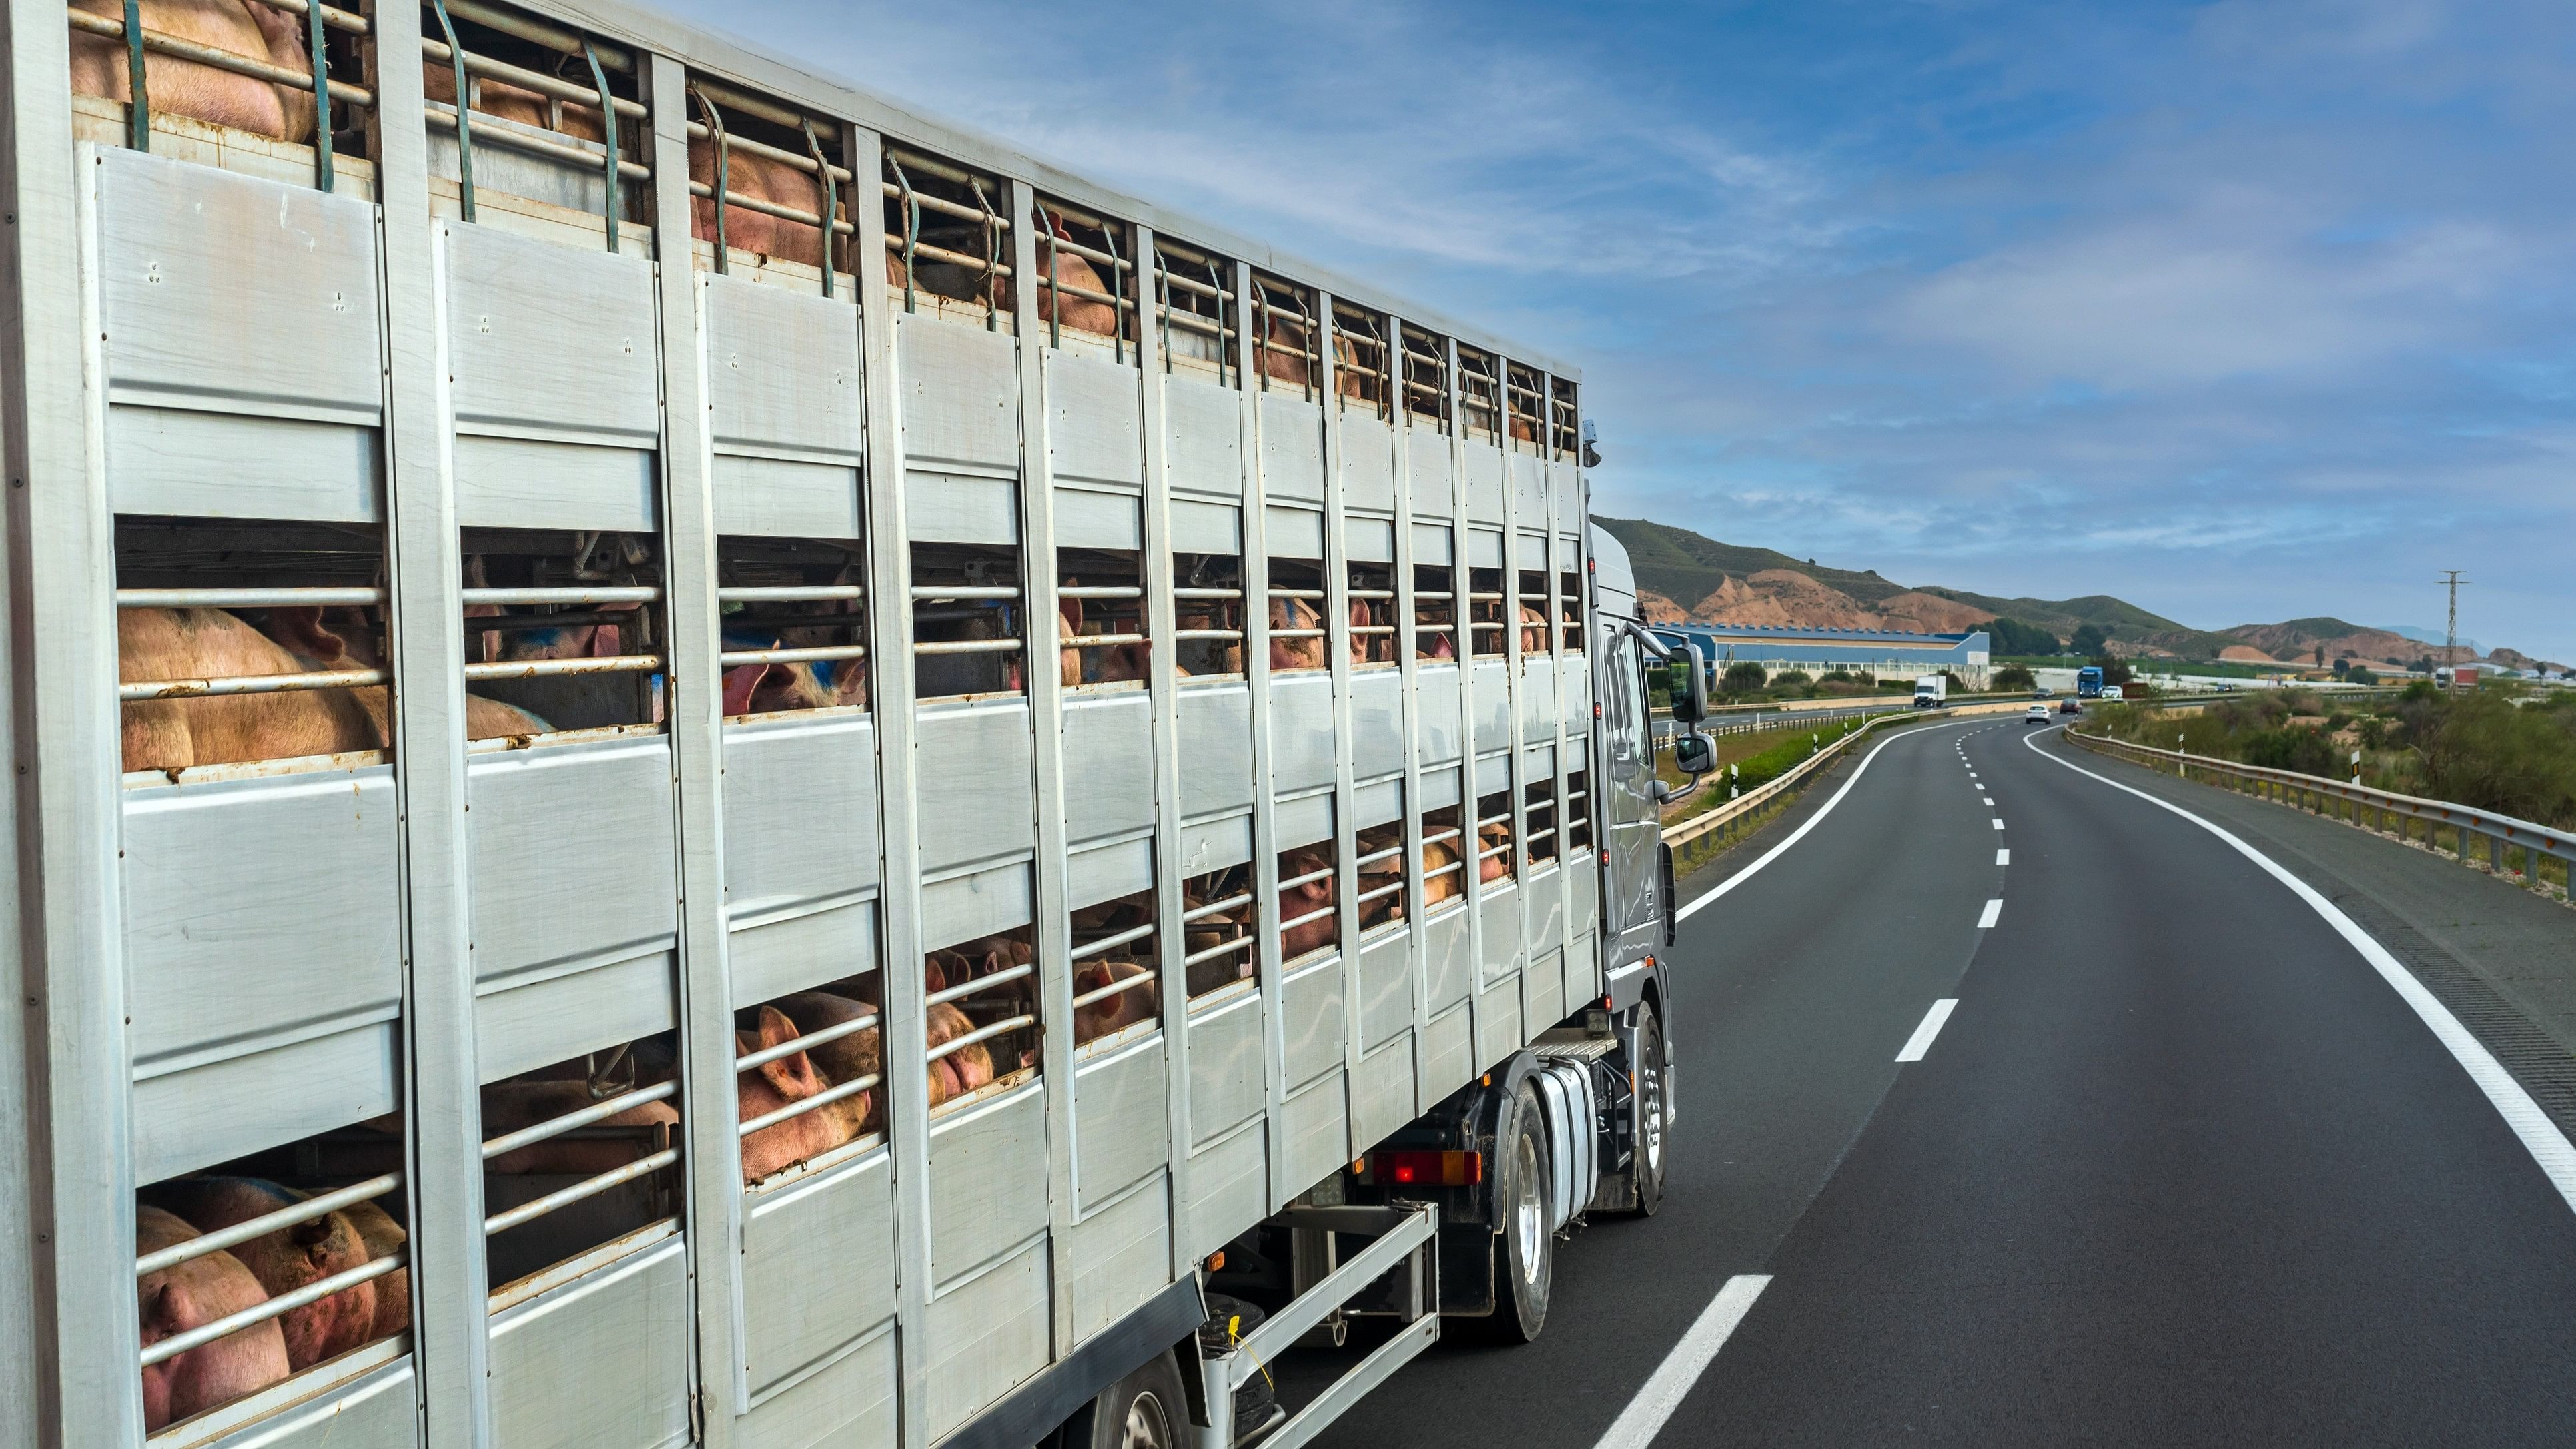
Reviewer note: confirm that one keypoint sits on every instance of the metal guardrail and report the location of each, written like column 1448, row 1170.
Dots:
column 2501, row 832
column 1701, row 825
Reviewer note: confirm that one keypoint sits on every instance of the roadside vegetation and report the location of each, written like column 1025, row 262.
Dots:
column 2493, row 748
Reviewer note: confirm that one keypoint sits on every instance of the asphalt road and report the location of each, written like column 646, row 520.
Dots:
column 2180, row 1167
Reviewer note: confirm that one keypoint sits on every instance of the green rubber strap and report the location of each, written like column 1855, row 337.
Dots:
column 321, row 97
column 464, row 128
column 138, row 114
column 608, row 130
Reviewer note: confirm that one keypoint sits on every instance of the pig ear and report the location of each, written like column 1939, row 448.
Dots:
column 740, row 683
column 793, row 1074
column 301, row 629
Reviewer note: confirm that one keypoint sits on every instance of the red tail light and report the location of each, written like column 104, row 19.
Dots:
column 1425, row 1169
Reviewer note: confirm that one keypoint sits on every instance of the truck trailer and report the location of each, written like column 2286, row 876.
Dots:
column 702, row 761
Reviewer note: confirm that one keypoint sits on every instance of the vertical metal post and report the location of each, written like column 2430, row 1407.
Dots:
column 1043, row 628
column 63, row 729
column 890, row 692
column 1462, row 615
column 712, row 1156
column 443, row 1108
column 614, row 207
column 1337, row 657
column 1256, row 673
column 1162, row 684
column 1417, row 955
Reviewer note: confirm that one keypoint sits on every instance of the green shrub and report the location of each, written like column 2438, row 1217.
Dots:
column 2302, row 748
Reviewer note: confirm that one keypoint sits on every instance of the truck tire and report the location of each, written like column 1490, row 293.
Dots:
column 1525, row 1250
column 1145, row 1410
column 1650, row 1106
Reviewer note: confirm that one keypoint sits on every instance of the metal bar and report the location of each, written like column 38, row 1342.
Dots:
column 1407, row 1343
column 752, row 1061
column 1003, row 1027
column 551, row 87
column 182, row 48
column 229, row 685
column 1309, row 878
column 502, row 1222
column 509, row 1142
column 605, row 594
column 138, row 111
column 819, row 1100
column 1223, row 948
column 816, row 654
column 1101, row 641
column 831, row 201
column 551, row 668
column 511, row 138
column 980, row 984
column 464, row 132
column 1123, row 983
column 1108, row 943
column 277, row 1307
column 1103, row 591
column 1362, row 1268
column 789, row 594
column 942, row 593
column 266, row 1223
column 1200, row 913
column 969, row 646
column 243, row 598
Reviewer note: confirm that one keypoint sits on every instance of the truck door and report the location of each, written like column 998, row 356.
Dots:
column 1635, row 826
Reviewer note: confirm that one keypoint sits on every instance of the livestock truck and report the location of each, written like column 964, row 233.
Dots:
column 700, row 761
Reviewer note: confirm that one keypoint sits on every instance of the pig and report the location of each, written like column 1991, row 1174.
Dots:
column 1114, row 664
column 173, row 734
column 1303, row 653
column 1438, row 856
column 1295, row 901
column 197, row 1292
column 860, row 1054
column 1377, row 875
column 341, row 639
column 1533, row 630
column 961, row 1071
column 813, row 684
column 514, row 103
column 510, row 1106
column 773, row 1086
column 383, row 1236
column 1499, row 865
column 286, row 1259
column 1112, row 1013
column 185, row 87
column 1072, row 270
column 760, row 178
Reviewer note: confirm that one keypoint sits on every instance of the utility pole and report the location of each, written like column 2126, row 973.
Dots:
column 2451, row 623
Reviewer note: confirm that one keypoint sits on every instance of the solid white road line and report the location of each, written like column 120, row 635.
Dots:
column 1921, row 1042
column 1986, row 920
column 1644, row 1417
column 1810, row 823
column 2003, row 857
column 2547, row 1145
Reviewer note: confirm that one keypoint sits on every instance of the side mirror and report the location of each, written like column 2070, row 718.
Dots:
column 1689, row 687
column 1693, row 752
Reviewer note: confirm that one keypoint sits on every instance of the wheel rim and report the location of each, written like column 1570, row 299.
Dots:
column 1650, row 1108
column 1148, row 1427
column 1529, row 1209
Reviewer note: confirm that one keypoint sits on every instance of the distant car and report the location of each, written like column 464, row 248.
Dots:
column 2038, row 715
column 2070, row 706
column 2042, row 692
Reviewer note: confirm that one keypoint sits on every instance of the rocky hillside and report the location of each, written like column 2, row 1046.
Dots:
column 1686, row 576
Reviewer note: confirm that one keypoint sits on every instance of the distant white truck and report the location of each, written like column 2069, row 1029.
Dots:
column 1931, row 691
column 2112, row 691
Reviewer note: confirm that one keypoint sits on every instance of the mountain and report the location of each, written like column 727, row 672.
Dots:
column 1696, row 577
column 2422, row 635
column 1683, row 575
column 2298, row 640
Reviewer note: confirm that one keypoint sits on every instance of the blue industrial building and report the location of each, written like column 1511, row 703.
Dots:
column 1870, row 653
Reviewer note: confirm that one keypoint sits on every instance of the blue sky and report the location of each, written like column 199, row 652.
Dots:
column 2241, row 311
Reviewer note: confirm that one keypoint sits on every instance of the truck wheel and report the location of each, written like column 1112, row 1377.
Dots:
column 1649, row 1104
column 1525, row 1250
column 1145, row 1410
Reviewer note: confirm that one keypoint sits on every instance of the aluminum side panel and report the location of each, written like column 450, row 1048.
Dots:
column 973, row 765
column 1109, row 745
column 960, row 394
column 800, row 813
column 1121, row 1122
column 818, row 1268
column 602, row 1361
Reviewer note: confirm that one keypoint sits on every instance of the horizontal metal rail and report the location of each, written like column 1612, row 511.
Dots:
column 1201, row 913
column 790, row 594
column 1223, row 948
column 527, row 1212
column 572, row 594
column 1111, row 943
column 1101, row 641
column 557, row 668
column 266, row 1223
column 286, row 598
column 815, row 1103
column 813, row 654
column 181, row 48
column 753, row 1061
column 2504, row 830
column 1123, row 983
column 980, row 983
column 277, row 1307
column 1004, row 1027
column 240, row 684
column 509, row 1142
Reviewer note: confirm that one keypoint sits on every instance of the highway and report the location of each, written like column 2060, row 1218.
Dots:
column 2180, row 1166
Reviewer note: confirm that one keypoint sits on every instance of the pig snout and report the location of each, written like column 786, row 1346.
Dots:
column 191, row 1295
